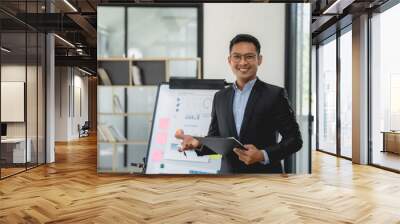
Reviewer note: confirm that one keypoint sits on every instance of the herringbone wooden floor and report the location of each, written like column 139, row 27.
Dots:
column 70, row 191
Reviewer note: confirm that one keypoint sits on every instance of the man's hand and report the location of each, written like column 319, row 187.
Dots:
column 249, row 156
column 188, row 142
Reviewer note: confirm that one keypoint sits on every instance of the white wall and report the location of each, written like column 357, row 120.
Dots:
column 14, row 73
column 68, row 83
column 222, row 21
column 80, row 83
column 61, row 103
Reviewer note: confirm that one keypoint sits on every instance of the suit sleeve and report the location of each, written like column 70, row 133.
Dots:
column 287, row 126
column 212, row 130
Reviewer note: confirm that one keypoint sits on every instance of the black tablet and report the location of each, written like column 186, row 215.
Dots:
column 221, row 145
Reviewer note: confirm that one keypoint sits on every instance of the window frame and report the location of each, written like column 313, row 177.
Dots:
column 334, row 37
column 378, row 10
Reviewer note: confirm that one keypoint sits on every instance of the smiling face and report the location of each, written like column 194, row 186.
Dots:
column 244, row 61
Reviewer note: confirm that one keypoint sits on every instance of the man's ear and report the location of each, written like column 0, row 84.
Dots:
column 229, row 59
column 260, row 59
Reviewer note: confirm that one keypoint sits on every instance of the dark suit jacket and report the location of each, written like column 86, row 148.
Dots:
column 267, row 113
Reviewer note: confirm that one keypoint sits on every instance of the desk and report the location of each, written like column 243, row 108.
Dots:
column 391, row 141
column 15, row 148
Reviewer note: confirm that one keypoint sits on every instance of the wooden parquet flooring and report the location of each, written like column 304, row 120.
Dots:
column 70, row 191
column 10, row 171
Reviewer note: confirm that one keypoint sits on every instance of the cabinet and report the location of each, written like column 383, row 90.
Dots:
column 14, row 153
column 124, row 121
column 391, row 141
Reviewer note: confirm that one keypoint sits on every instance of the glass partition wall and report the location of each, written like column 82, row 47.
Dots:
column 13, row 85
column 22, row 77
column 334, row 94
column 327, row 96
column 345, row 109
column 385, row 89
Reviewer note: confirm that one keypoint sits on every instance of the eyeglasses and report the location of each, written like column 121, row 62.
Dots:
column 247, row 57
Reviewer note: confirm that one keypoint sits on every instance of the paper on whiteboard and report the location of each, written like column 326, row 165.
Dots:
column 189, row 110
column 173, row 154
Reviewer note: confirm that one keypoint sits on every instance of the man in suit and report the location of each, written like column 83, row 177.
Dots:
column 253, row 112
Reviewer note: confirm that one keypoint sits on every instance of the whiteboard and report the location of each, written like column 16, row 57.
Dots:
column 12, row 101
column 187, row 109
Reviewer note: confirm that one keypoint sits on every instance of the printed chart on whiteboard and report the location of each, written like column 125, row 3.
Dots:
column 187, row 109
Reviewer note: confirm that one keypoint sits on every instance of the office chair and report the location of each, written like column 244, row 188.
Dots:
column 84, row 130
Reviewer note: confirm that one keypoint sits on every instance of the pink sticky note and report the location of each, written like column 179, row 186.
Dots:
column 157, row 155
column 163, row 123
column 161, row 138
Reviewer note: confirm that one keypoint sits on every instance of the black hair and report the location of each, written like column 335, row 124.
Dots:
column 245, row 38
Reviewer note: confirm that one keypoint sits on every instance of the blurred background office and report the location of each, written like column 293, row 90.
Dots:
column 143, row 45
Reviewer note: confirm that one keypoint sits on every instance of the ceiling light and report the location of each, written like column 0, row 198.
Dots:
column 86, row 72
column 329, row 9
column 70, row 5
column 5, row 50
column 337, row 7
column 65, row 41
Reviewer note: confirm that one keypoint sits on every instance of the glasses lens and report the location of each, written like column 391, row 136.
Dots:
column 250, row 57
column 246, row 57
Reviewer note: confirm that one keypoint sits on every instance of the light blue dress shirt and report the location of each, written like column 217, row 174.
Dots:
column 239, row 105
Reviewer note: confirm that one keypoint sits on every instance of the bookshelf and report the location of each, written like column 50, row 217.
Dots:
column 127, row 121
column 125, row 106
column 145, row 71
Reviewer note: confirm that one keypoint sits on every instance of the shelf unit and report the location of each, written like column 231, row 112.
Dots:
column 132, row 120
column 129, row 108
column 153, row 70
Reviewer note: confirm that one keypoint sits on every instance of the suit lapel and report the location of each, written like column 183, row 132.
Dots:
column 231, row 119
column 251, row 104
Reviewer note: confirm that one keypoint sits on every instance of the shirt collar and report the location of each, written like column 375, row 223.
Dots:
column 248, row 86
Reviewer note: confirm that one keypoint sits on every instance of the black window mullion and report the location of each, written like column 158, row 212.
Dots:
column 317, row 97
column 37, row 90
column 338, row 95
column 44, row 79
column 26, row 86
column 369, row 79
